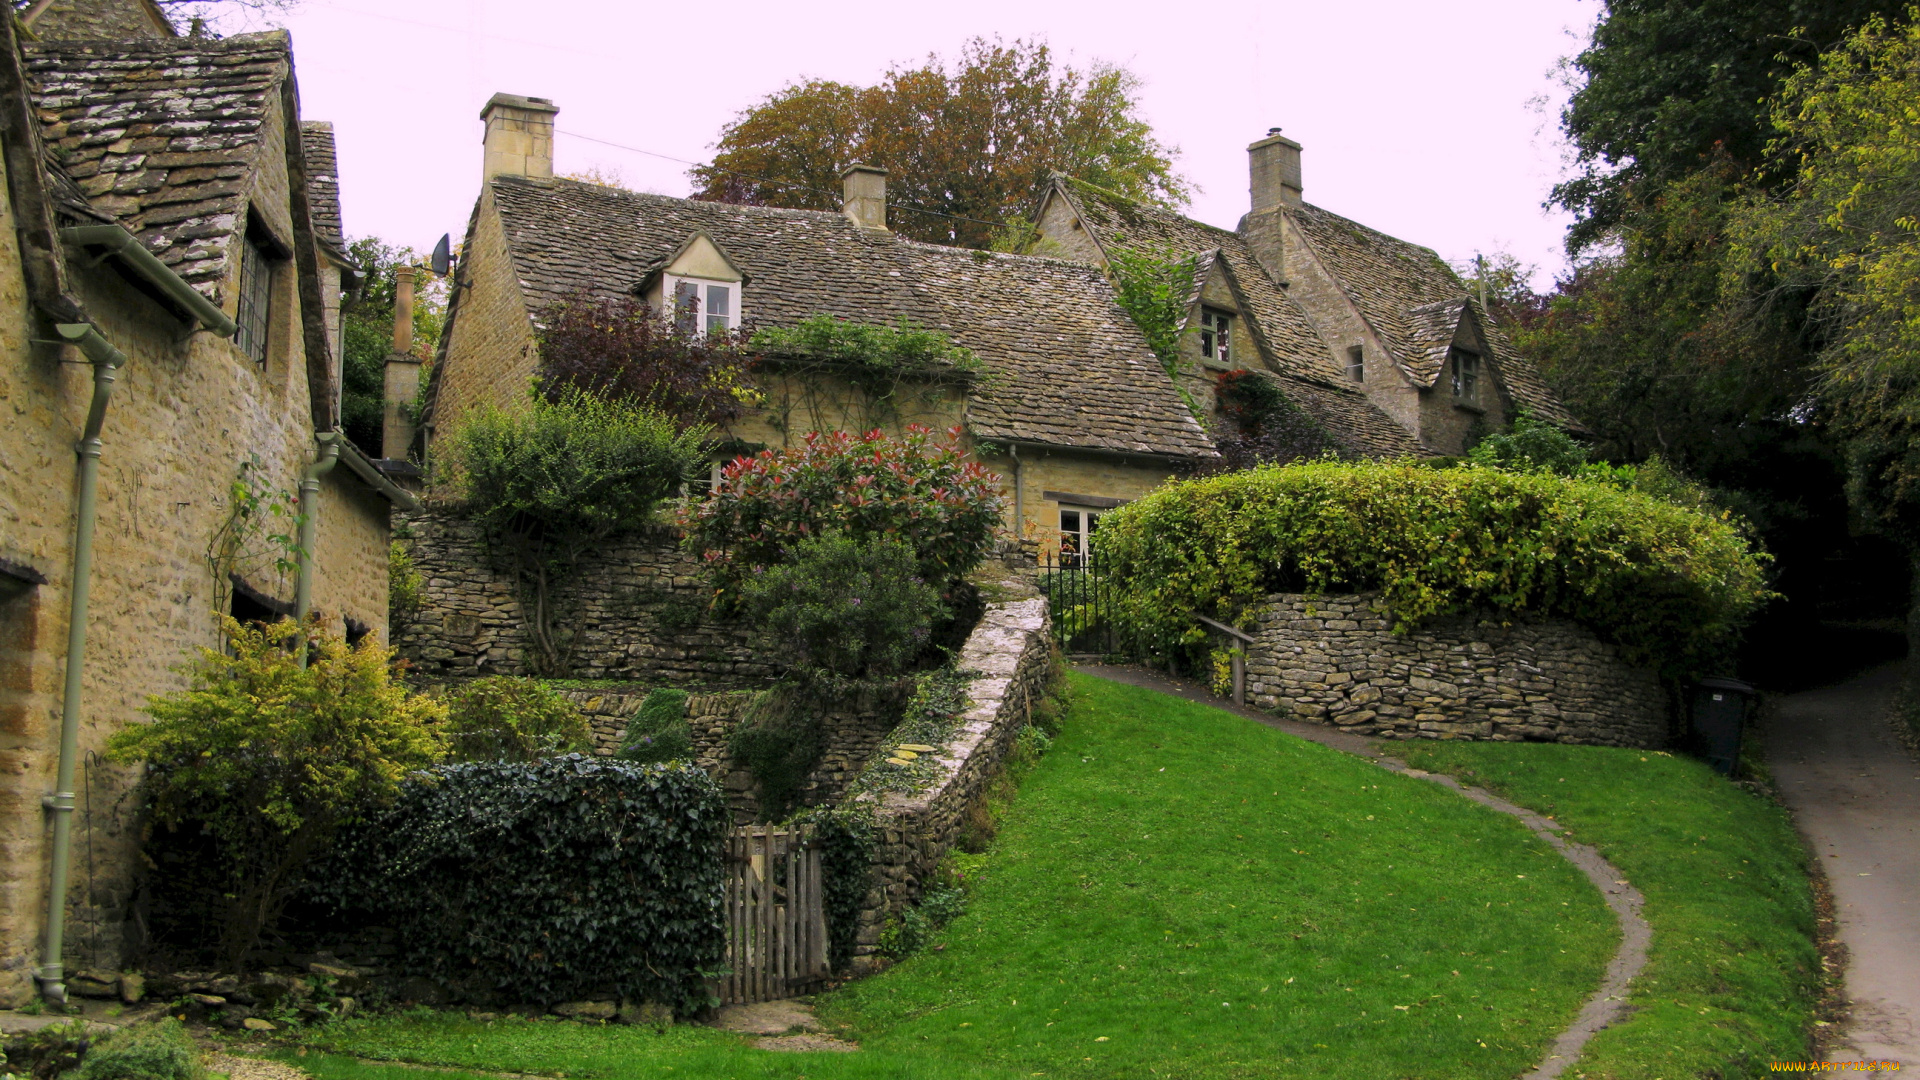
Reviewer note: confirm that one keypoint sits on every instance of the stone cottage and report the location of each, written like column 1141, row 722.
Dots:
column 1075, row 410
column 1374, row 337
column 170, row 277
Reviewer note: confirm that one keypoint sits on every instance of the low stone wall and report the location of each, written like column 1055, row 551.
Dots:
column 852, row 737
column 637, row 607
column 1010, row 651
column 1336, row 660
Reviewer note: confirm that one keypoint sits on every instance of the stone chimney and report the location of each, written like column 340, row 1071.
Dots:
column 403, row 372
column 1273, row 165
column 519, row 139
column 864, row 196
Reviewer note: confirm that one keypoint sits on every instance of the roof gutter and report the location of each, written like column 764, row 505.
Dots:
column 124, row 246
column 361, row 466
column 1137, row 455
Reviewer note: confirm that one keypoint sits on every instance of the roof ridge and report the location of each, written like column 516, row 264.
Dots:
column 1370, row 230
column 629, row 193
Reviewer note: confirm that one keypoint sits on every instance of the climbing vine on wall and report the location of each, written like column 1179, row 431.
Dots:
column 1154, row 285
column 259, row 539
column 886, row 366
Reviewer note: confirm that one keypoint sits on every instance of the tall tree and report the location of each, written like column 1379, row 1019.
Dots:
column 1845, row 233
column 1667, row 87
column 966, row 144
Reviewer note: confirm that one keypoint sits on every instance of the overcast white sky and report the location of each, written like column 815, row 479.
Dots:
column 1421, row 119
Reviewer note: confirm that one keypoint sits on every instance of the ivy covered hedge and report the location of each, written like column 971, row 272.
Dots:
column 1670, row 585
column 547, row 881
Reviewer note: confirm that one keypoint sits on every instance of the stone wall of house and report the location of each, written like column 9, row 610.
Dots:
column 852, row 736
column 1012, row 654
column 185, row 415
column 636, row 606
column 488, row 355
column 1336, row 660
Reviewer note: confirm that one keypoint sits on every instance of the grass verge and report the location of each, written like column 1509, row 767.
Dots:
column 1733, row 976
column 1175, row 891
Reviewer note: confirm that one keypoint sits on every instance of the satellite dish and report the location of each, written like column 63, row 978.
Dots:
column 442, row 260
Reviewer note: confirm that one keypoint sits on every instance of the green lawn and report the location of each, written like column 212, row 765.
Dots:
column 1175, row 892
column 1733, row 972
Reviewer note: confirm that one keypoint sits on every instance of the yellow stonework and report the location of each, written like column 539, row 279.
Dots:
column 186, row 414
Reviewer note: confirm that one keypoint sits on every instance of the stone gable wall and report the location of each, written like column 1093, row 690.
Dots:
column 1335, row 660
column 637, row 604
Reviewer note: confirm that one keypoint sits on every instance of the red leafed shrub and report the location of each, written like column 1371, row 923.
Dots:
column 914, row 488
column 621, row 349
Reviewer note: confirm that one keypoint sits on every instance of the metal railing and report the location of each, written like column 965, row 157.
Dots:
column 1080, row 600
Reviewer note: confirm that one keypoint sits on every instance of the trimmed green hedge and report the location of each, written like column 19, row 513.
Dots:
column 1670, row 585
column 545, row 881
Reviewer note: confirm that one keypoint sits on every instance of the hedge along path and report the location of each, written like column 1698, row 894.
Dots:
column 1608, row 1004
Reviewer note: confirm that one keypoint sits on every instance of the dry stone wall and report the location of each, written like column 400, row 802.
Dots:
column 852, row 737
column 636, row 605
column 1336, row 660
column 1012, row 656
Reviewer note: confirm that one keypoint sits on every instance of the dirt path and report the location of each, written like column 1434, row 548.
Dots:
column 1855, row 793
column 1608, row 1003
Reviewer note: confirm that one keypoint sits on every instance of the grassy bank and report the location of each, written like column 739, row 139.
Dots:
column 1733, row 974
column 1174, row 892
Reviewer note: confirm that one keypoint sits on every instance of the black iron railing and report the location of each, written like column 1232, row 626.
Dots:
column 1080, row 600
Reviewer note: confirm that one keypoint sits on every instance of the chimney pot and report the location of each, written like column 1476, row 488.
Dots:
column 864, row 196
column 1274, row 166
column 519, row 138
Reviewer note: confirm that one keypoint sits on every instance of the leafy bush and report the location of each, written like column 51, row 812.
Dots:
column 1670, row 585
column 914, row 489
column 1531, row 446
column 847, row 613
column 46, row 1054
column 619, row 349
column 269, row 759
column 910, row 931
column 405, row 585
column 659, row 730
column 550, row 880
column 559, row 476
column 500, row 718
column 162, row 1051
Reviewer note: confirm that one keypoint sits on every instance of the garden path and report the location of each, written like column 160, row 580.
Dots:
column 1608, row 1003
column 1855, row 793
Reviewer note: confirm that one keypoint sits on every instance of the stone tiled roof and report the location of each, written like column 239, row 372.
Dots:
column 160, row 135
column 1414, row 301
column 1069, row 367
column 323, row 182
column 1286, row 335
column 1353, row 421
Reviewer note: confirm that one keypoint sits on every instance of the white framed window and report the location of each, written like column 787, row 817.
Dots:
column 1357, row 363
column 1466, row 374
column 704, row 307
column 1077, row 524
column 1216, row 336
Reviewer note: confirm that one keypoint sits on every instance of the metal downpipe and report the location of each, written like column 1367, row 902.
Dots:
column 325, row 458
column 107, row 362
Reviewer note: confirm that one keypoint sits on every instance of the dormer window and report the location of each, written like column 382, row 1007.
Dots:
column 1357, row 363
column 1216, row 336
column 705, row 307
column 1466, row 374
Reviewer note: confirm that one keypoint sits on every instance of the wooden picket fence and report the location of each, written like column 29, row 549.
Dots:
column 776, row 914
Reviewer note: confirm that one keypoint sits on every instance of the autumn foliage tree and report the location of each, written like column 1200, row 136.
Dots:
column 973, row 139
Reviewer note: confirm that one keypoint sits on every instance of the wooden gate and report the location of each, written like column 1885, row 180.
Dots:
column 776, row 914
